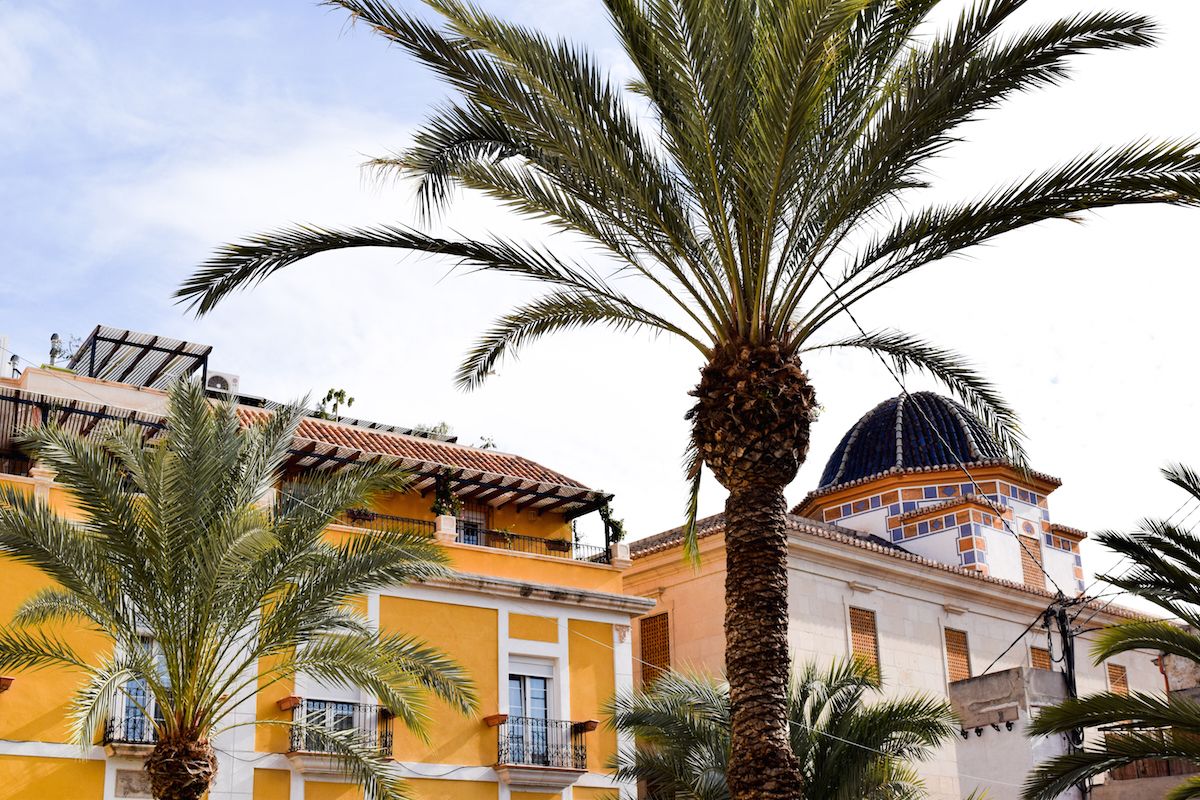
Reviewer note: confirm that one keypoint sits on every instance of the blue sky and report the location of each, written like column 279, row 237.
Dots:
column 134, row 136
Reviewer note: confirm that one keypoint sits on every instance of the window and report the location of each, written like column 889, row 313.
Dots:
column 330, row 715
column 958, row 656
column 528, row 718
column 139, row 711
column 864, row 642
column 1039, row 658
column 1118, row 680
column 1031, row 562
column 655, row 633
column 473, row 520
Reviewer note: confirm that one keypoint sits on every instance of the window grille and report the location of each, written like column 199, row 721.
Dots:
column 655, row 633
column 1031, row 563
column 864, row 639
column 958, row 655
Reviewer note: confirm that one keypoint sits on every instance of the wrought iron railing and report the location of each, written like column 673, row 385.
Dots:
column 130, row 724
column 529, row 741
column 311, row 718
column 471, row 533
column 374, row 521
column 503, row 540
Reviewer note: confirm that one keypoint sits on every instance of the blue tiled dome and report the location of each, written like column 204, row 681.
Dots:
column 903, row 432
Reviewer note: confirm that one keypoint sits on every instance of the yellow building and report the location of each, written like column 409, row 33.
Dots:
column 540, row 620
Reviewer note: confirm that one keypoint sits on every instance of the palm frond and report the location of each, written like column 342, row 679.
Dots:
column 909, row 352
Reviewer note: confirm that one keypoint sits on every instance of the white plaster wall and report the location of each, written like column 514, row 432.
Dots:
column 941, row 546
column 1004, row 555
column 1061, row 567
column 995, row 760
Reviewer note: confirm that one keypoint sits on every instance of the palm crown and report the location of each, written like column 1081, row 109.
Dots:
column 174, row 547
column 848, row 747
column 1165, row 570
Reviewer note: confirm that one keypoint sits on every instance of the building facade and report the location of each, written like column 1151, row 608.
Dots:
column 899, row 558
column 540, row 620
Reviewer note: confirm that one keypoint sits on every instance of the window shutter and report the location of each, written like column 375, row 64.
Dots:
column 1039, row 658
column 864, row 639
column 1118, row 680
column 655, row 633
column 958, row 655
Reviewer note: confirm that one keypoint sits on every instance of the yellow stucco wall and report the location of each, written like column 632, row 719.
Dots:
column 322, row 790
column 424, row 789
column 586, row 793
column 34, row 708
column 535, row 796
column 271, row 738
column 538, row 629
column 470, row 636
column 535, row 569
column 26, row 777
column 272, row 784
column 593, row 682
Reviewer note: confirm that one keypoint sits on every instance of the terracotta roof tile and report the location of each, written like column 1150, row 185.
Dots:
column 710, row 526
column 421, row 449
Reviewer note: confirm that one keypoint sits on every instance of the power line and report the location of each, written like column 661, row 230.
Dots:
column 1041, row 616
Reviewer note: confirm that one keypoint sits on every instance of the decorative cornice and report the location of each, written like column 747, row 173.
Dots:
column 954, row 502
column 825, row 491
column 506, row 587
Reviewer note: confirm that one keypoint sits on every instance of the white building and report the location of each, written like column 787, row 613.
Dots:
column 899, row 557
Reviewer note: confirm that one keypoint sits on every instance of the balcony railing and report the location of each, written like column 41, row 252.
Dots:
column 374, row 521
column 129, row 724
column 311, row 717
column 503, row 540
column 470, row 533
column 529, row 741
column 1155, row 767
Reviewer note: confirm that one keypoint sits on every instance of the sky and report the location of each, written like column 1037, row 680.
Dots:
column 137, row 136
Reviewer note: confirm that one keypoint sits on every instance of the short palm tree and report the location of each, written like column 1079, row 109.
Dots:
column 847, row 747
column 749, row 185
column 208, row 594
column 1165, row 570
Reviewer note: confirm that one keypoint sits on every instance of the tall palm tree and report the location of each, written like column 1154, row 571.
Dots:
column 745, row 188
column 207, row 594
column 847, row 748
column 1165, row 570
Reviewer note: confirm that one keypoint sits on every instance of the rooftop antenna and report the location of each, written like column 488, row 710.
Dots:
column 56, row 348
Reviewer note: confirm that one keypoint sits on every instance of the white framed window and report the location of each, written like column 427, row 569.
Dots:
column 530, row 709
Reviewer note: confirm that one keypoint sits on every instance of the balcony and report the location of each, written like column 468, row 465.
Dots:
column 547, row 754
column 372, row 521
column 472, row 534
column 1148, row 778
column 129, row 733
column 310, row 752
column 505, row 540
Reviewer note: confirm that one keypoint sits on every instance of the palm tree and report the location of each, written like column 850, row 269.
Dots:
column 208, row 594
column 1165, row 570
column 745, row 188
column 846, row 748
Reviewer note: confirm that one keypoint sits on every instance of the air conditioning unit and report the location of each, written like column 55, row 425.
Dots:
column 222, row 382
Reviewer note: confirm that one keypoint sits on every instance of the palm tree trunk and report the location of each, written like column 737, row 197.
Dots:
column 181, row 769
column 762, row 766
column 751, row 424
